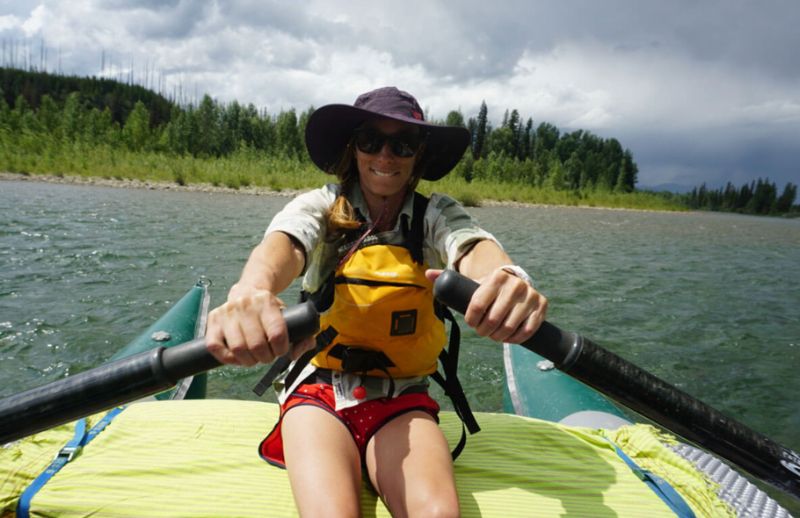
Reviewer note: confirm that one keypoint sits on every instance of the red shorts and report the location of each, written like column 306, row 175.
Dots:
column 363, row 420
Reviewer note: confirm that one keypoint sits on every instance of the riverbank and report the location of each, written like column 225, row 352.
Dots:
column 127, row 183
column 253, row 190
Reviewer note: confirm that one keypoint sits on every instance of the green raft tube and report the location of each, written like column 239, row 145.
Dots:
column 560, row 449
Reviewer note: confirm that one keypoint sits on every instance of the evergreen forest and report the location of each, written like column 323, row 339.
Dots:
column 56, row 124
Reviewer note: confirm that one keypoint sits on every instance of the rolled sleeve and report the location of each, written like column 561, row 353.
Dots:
column 303, row 218
column 451, row 231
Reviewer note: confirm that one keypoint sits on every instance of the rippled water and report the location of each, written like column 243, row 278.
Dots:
column 709, row 302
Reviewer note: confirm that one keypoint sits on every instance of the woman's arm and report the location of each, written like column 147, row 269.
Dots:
column 504, row 307
column 249, row 328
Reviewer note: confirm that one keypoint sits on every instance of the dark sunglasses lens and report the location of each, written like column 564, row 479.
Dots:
column 402, row 148
column 371, row 142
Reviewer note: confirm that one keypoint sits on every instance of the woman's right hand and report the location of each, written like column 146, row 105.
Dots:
column 249, row 328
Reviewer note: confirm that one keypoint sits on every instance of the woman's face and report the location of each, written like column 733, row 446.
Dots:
column 382, row 173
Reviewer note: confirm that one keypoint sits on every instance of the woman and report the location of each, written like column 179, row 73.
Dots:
column 379, row 149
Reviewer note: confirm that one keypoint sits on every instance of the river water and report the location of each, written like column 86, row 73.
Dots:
column 708, row 302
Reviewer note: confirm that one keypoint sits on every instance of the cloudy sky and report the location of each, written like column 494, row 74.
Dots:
column 698, row 90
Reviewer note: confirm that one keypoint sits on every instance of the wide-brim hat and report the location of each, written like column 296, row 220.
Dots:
column 330, row 128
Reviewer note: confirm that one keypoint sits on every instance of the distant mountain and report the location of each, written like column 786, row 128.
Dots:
column 669, row 187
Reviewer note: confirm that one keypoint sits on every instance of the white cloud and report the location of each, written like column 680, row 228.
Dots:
column 38, row 19
column 8, row 22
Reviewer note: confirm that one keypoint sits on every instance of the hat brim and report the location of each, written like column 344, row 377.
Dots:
column 330, row 127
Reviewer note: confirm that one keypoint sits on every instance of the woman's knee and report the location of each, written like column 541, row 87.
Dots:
column 433, row 505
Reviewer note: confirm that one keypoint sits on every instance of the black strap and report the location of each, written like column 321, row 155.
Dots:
column 357, row 360
column 452, row 386
column 416, row 233
column 281, row 364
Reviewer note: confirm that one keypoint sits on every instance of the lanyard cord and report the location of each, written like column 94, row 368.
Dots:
column 372, row 227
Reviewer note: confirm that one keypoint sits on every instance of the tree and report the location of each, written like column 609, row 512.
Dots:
column 5, row 114
column 301, row 130
column 49, row 115
column 72, row 120
column 100, row 126
column 555, row 177
column 546, row 137
column 455, row 118
column 288, row 137
column 763, row 198
column 480, row 133
column 136, row 132
column 180, row 131
column 729, row 197
column 785, row 201
column 527, row 144
column 626, row 180
column 573, row 171
column 207, row 128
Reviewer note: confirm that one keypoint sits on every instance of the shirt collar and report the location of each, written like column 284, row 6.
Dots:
column 358, row 202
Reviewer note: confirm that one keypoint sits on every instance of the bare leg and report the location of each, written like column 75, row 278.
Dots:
column 410, row 465
column 323, row 463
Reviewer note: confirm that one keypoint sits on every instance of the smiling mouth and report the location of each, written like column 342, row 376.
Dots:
column 383, row 174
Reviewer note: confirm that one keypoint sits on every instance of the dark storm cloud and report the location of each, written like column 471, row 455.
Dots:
column 172, row 19
column 689, row 159
column 752, row 35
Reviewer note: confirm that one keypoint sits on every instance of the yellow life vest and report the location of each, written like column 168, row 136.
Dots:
column 384, row 315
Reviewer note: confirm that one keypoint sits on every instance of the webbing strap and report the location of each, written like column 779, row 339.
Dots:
column 660, row 487
column 280, row 365
column 65, row 455
column 451, row 385
column 416, row 233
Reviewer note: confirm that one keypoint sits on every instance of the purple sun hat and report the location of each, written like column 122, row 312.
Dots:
column 330, row 128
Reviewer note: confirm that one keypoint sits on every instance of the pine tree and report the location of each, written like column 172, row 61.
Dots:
column 480, row 132
column 785, row 201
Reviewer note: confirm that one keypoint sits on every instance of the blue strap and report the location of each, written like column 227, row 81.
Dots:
column 660, row 487
column 66, row 454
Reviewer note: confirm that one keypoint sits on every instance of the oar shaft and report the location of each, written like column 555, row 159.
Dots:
column 648, row 395
column 122, row 381
column 83, row 394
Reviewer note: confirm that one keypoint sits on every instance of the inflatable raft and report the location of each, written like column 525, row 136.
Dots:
column 560, row 449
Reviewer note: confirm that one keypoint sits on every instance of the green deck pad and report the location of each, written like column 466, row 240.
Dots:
column 199, row 458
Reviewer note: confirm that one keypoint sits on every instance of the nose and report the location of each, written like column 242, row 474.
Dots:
column 385, row 151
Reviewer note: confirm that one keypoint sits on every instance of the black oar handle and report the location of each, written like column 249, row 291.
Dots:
column 122, row 381
column 648, row 395
column 193, row 358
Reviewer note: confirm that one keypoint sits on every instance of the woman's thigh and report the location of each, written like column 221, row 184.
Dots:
column 410, row 465
column 323, row 462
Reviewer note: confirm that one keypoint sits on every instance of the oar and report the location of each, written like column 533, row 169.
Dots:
column 122, row 381
column 648, row 395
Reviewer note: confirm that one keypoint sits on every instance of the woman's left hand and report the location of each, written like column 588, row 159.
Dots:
column 504, row 308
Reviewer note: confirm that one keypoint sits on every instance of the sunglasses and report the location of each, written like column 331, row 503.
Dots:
column 403, row 145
